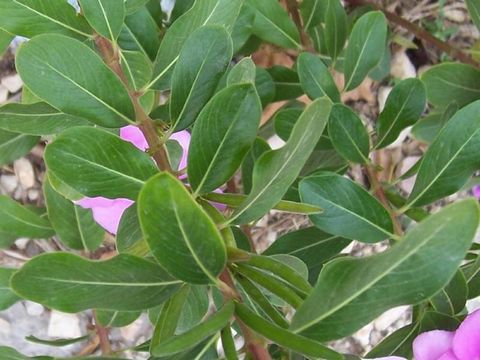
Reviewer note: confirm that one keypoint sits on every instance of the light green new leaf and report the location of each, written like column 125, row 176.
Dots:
column 203, row 12
column 223, row 133
column 88, row 160
column 349, row 210
column 20, row 221
column 194, row 336
column 283, row 337
column 351, row 292
column 7, row 296
column 201, row 63
column 182, row 237
column 74, row 80
column 69, row 283
column 336, row 28
column 313, row 12
column 474, row 10
column 14, row 145
column 276, row 170
column 243, row 72
column 348, row 134
column 315, row 78
column 73, row 224
column 365, row 47
column 36, row 119
column 403, row 108
column 105, row 16
column 450, row 82
column 48, row 16
column 272, row 24
column 451, row 158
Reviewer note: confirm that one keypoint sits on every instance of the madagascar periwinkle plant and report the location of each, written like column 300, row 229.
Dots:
column 155, row 135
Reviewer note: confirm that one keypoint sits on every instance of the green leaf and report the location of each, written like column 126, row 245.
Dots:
column 287, row 83
column 212, row 12
column 474, row 10
column 315, row 78
column 137, row 68
column 49, row 16
column 313, row 246
column 276, row 170
column 449, row 82
column 179, row 231
column 349, row 210
column 73, row 224
column 272, row 24
column 89, row 89
column 223, row 134
column 129, row 235
column 410, row 272
column 36, row 119
column 265, row 86
column 451, row 159
column 282, row 337
column 109, row 318
column 56, row 342
column 201, row 63
column 21, row 221
column 365, row 47
column 5, row 40
column 192, row 337
column 133, row 5
column 336, row 29
column 105, row 16
column 14, row 146
column 7, row 296
column 452, row 298
column 427, row 128
column 403, row 108
column 284, row 121
column 243, row 28
column 313, row 12
column 348, row 134
column 243, row 72
column 86, row 159
column 69, row 283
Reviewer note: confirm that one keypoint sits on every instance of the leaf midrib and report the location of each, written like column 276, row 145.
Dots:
column 98, row 283
column 297, row 45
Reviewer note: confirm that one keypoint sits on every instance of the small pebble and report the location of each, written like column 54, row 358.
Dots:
column 456, row 15
column 34, row 309
column 33, row 194
column 13, row 83
column 402, row 67
column 407, row 163
column 24, row 171
column 9, row 182
column 22, row 243
column 64, row 326
column 383, row 93
column 3, row 94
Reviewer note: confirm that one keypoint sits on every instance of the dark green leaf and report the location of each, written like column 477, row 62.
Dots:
column 110, row 318
column 137, row 68
column 265, row 86
column 180, row 8
column 89, row 89
column 474, row 10
column 179, row 231
column 129, row 234
column 452, row 299
column 87, row 160
column 223, row 134
column 105, row 16
column 403, row 108
column 336, row 29
column 133, row 5
column 69, row 283
column 410, row 272
column 243, row 28
column 287, row 83
column 259, row 147
column 285, row 120
column 14, row 145
column 56, row 342
column 348, row 134
column 313, row 12
column 5, row 40
column 7, row 296
column 243, row 72
column 365, row 47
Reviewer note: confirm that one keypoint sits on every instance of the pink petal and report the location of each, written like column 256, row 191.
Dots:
column 432, row 345
column 389, row 358
column 221, row 207
column 476, row 191
column 466, row 343
column 107, row 213
column 449, row 355
column 183, row 138
column 134, row 135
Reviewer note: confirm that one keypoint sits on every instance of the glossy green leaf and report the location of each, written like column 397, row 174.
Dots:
column 410, row 272
column 86, row 159
column 313, row 12
column 233, row 117
column 265, row 86
column 56, row 342
column 7, row 296
column 243, row 29
column 212, row 12
column 474, row 10
column 403, row 108
column 284, row 337
column 315, row 78
column 202, row 61
column 129, row 238
column 133, row 5
column 21, row 221
column 285, row 120
column 427, row 128
column 449, row 82
column 276, row 170
column 5, row 40
column 36, row 119
column 73, row 224
column 89, row 89
column 272, row 24
column 451, row 159
column 258, row 148
column 180, row 8
column 49, row 16
column 179, row 231
column 452, row 298
column 69, row 283
column 14, row 145
column 365, row 47
column 137, row 68
column 105, row 16
column 287, row 83
column 349, row 210
column 336, row 28
column 192, row 337
column 110, row 318
column 313, row 246
column 348, row 134
column 243, row 72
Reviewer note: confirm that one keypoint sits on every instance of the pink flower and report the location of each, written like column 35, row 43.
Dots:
column 108, row 212
column 476, row 191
